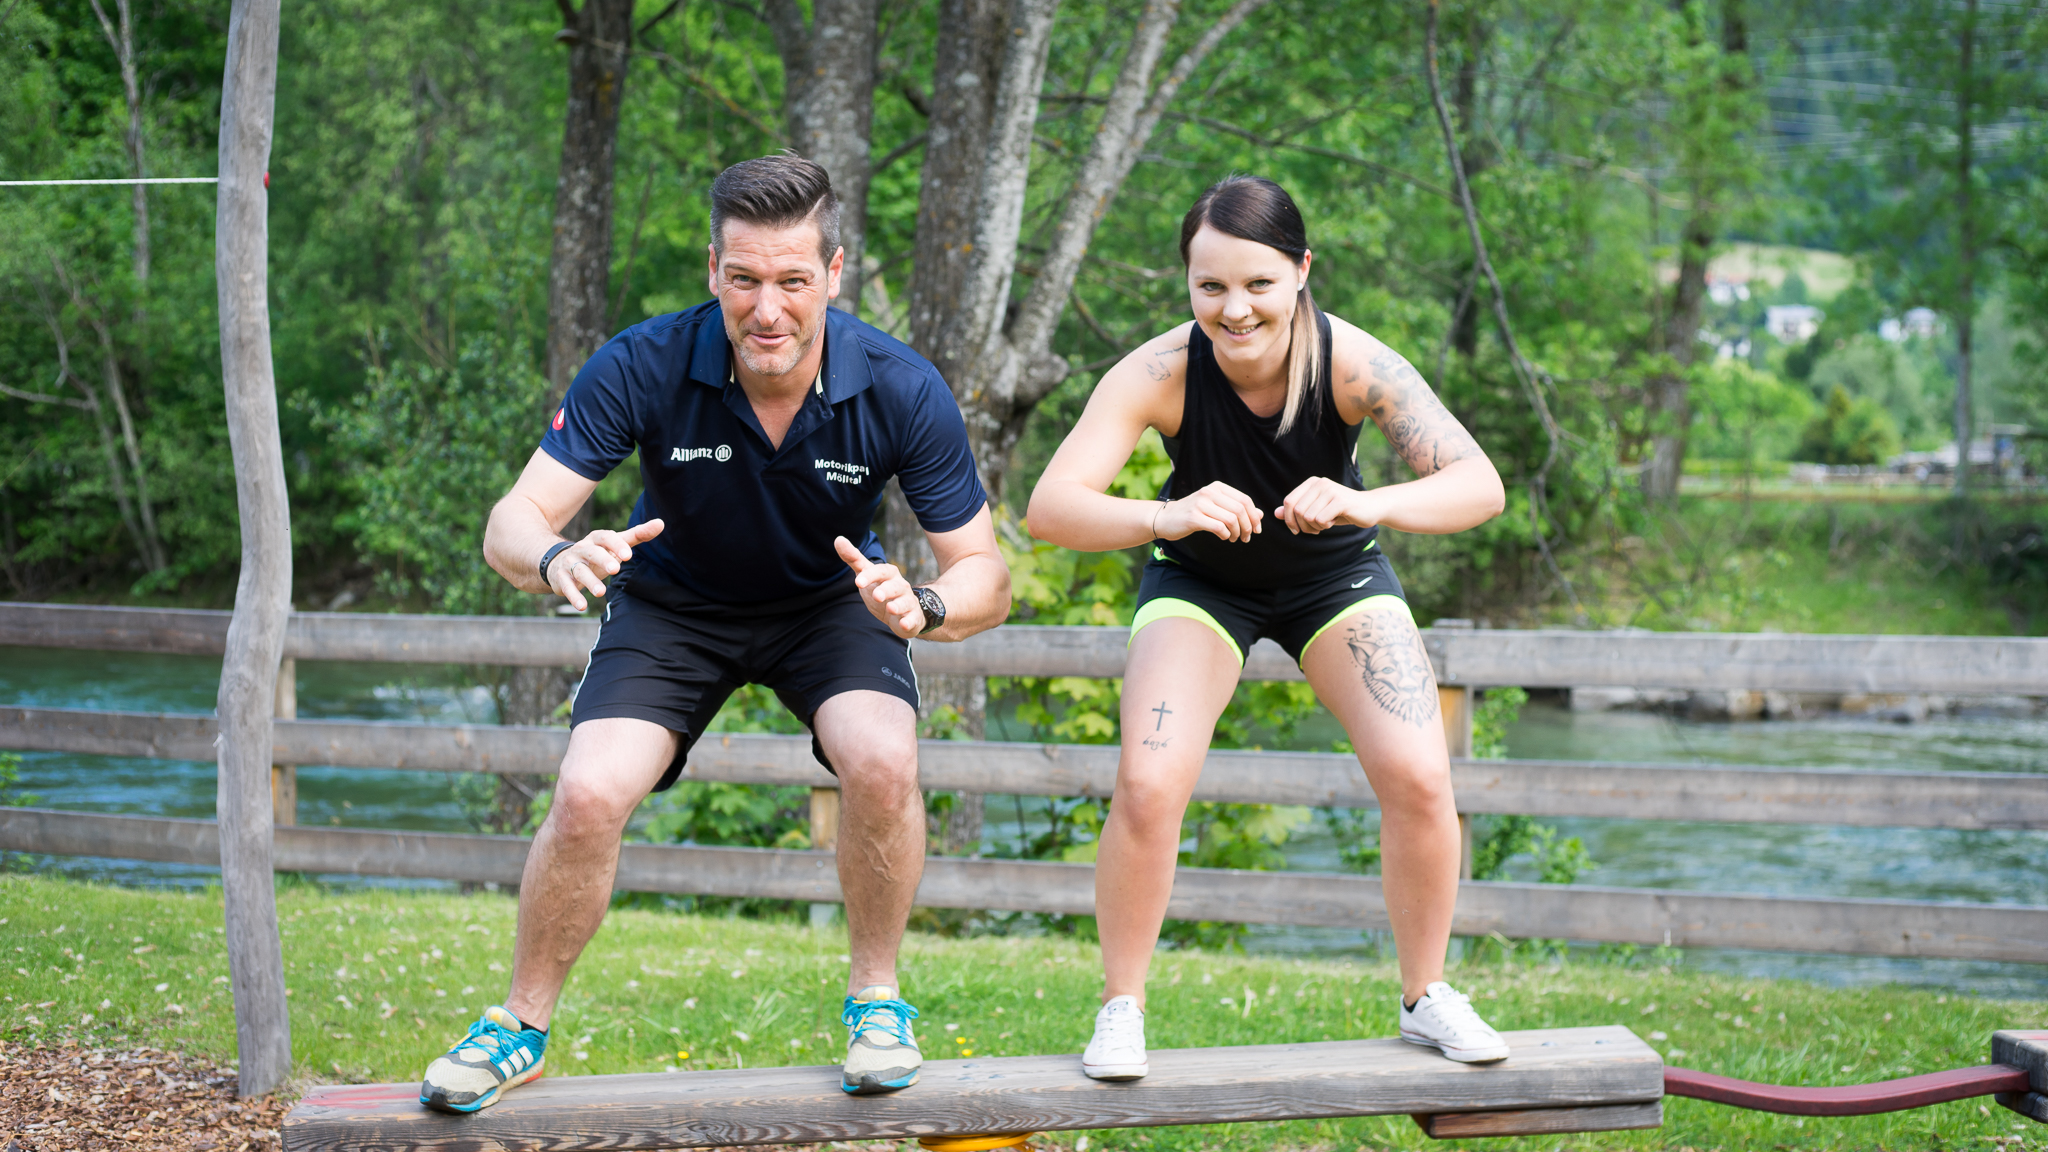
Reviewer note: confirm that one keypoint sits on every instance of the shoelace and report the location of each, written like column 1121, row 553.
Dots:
column 1121, row 1029
column 492, row 1037
column 1455, row 1011
column 897, row 1020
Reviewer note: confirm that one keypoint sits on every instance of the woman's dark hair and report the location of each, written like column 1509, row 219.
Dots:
column 778, row 191
column 1256, row 209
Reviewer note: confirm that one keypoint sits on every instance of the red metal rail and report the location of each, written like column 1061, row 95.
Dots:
column 1849, row 1099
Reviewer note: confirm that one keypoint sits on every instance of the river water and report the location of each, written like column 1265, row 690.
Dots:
column 1778, row 859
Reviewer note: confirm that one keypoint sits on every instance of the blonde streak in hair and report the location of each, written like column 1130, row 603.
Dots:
column 1304, row 358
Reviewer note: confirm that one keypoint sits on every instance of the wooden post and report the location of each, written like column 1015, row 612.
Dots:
column 825, row 819
column 255, row 640
column 284, row 778
column 825, row 838
column 1455, row 702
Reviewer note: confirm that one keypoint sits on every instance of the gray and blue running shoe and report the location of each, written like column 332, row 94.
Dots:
column 881, row 1054
column 498, row 1055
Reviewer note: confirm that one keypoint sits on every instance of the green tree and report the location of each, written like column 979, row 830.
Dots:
column 1848, row 431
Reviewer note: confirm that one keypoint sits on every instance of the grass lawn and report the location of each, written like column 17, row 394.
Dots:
column 381, row 981
column 1828, row 566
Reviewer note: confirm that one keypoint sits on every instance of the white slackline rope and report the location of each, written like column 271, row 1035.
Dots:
column 150, row 180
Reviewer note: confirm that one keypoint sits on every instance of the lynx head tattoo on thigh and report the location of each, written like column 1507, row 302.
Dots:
column 1397, row 672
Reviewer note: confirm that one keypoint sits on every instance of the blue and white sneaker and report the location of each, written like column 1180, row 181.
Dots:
column 498, row 1055
column 881, row 1054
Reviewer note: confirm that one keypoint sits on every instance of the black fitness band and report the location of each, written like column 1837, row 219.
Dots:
column 548, row 557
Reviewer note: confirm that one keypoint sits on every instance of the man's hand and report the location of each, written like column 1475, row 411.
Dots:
column 1217, row 508
column 884, row 590
column 588, row 563
column 1321, row 503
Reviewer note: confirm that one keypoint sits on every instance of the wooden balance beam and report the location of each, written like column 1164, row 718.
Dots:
column 1557, row 1080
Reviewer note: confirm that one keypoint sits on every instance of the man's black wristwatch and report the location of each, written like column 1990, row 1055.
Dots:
column 934, row 609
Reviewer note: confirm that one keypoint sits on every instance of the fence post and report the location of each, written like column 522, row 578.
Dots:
column 284, row 778
column 1455, row 702
column 825, row 819
column 263, row 590
column 824, row 838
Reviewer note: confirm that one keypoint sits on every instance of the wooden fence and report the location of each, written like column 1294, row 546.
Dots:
column 1464, row 658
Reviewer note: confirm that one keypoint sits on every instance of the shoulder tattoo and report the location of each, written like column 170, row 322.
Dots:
column 1159, row 364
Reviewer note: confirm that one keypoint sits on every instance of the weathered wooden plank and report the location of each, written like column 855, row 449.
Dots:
column 1559, row 1068
column 1524, row 787
column 1543, row 1121
column 515, row 640
column 1556, row 658
column 2017, row 933
column 1553, row 658
column 2027, row 1050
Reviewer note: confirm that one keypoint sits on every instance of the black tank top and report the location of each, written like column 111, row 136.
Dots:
column 1221, row 439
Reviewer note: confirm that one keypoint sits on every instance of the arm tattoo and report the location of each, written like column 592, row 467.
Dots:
column 1157, row 368
column 1396, row 670
column 1422, row 431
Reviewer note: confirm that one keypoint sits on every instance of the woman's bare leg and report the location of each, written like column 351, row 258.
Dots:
column 1371, row 671
column 1177, row 681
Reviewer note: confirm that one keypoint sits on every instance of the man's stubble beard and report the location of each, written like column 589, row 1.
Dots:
column 778, row 366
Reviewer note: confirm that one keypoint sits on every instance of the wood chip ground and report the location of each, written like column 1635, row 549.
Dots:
column 64, row 1099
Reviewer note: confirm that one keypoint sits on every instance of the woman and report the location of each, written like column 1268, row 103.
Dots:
column 1260, row 400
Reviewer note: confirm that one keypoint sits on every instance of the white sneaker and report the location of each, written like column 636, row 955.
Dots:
column 1444, row 1019
column 1118, row 1050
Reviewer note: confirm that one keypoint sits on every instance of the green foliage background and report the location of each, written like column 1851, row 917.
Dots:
column 412, row 186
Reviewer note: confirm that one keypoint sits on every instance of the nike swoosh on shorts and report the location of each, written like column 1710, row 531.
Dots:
column 1363, row 583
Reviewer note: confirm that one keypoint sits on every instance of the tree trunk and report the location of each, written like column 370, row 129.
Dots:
column 972, row 38
column 998, row 359
column 600, row 37
column 1966, row 251
column 1668, row 403
column 1670, row 412
column 255, row 640
column 828, row 70
column 153, row 546
column 1479, row 156
column 123, row 41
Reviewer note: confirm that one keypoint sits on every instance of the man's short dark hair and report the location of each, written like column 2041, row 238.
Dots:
column 779, row 191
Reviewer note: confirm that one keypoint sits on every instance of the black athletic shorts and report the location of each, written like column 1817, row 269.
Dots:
column 676, row 666
column 1292, row 616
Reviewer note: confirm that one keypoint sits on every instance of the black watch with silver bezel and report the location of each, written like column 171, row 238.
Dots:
column 934, row 609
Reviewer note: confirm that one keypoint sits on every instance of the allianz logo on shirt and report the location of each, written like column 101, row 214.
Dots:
column 722, row 453
column 839, row 473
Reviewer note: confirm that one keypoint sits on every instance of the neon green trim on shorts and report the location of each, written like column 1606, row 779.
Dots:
column 1383, row 600
column 1165, row 607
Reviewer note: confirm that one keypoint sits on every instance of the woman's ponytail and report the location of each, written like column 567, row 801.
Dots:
column 1304, row 360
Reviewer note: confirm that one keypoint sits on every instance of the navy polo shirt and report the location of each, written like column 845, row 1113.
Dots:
column 748, row 523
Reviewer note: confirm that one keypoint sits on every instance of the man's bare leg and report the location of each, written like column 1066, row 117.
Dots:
column 871, row 739
column 611, row 766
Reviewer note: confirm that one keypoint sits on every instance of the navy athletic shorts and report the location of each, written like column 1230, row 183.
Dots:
column 676, row 666
column 1293, row 616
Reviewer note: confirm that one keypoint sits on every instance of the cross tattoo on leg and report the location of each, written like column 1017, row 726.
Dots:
column 1164, row 712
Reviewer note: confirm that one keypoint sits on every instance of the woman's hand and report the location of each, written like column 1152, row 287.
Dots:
column 1321, row 503
column 1217, row 508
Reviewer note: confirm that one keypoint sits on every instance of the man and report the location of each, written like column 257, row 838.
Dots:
column 767, row 425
